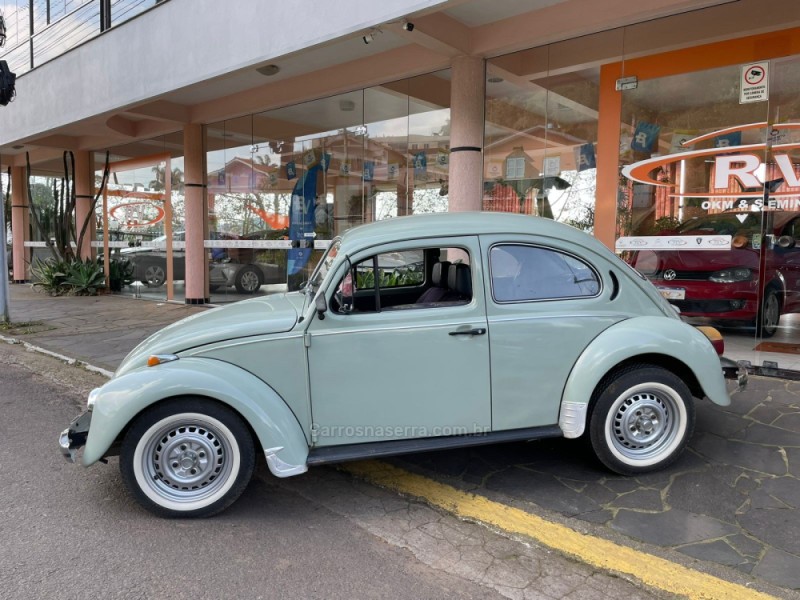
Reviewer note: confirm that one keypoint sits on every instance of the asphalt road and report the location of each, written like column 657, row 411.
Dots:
column 68, row 532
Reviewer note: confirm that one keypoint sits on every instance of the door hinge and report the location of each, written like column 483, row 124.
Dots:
column 307, row 339
column 314, row 433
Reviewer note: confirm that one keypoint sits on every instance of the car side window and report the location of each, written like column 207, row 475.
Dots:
column 523, row 273
column 426, row 277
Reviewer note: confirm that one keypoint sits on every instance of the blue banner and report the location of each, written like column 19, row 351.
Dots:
column 728, row 140
column 301, row 219
column 369, row 170
column 291, row 170
column 420, row 165
column 585, row 157
column 645, row 136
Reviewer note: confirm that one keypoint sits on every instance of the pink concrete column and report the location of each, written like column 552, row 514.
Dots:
column 20, row 224
column 467, row 93
column 194, row 174
column 84, row 168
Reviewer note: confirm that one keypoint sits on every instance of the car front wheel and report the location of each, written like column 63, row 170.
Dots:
column 187, row 458
column 641, row 419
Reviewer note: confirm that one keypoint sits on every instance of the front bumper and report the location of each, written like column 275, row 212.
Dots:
column 74, row 436
column 734, row 370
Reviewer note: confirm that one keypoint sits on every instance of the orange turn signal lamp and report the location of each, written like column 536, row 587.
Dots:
column 715, row 337
column 160, row 359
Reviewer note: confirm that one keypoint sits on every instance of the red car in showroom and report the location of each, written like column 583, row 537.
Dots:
column 728, row 286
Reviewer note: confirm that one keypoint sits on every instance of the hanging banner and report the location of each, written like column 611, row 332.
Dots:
column 326, row 161
column 420, row 166
column 645, row 136
column 392, row 170
column 679, row 139
column 551, row 166
column 344, row 168
column 585, row 157
column 369, row 170
column 291, row 170
column 301, row 219
column 442, row 158
column 309, row 158
column 728, row 140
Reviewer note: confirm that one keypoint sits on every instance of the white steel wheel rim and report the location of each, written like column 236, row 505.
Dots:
column 645, row 424
column 186, row 462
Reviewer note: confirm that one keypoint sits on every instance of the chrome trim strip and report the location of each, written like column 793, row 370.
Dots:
column 572, row 419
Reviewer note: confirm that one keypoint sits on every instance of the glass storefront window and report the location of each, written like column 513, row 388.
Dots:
column 285, row 182
column 709, row 201
column 540, row 139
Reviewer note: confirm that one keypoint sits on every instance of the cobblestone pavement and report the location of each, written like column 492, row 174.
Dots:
column 732, row 500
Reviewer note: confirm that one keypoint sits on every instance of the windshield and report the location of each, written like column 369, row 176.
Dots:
column 324, row 265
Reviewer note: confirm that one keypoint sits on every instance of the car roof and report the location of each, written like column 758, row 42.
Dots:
column 465, row 224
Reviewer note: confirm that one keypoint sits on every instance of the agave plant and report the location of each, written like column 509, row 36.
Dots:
column 84, row 278
column 50, row 275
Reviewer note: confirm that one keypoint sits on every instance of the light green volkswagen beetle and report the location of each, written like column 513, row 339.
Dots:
column 413, row 334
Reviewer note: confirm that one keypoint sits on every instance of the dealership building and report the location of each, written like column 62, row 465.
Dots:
column 239, row 138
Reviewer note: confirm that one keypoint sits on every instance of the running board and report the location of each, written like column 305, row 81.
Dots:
column 345, row 453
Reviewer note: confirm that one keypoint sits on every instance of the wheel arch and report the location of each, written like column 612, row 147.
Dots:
column 274, row 426
column 666, row 343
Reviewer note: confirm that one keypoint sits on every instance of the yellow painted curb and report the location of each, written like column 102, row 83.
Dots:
column 598, row 552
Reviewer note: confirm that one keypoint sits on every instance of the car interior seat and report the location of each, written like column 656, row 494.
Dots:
column 459, row 280
column 439, row 288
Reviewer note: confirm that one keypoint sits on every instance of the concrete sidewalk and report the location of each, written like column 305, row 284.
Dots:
column 99, row 330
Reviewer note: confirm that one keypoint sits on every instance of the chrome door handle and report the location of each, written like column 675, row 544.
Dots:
column 476, row 331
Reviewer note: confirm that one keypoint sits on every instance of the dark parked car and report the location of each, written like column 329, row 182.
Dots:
column 245, row 268
column 727, row 285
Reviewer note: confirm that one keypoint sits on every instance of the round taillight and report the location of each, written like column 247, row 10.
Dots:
column 739, row 241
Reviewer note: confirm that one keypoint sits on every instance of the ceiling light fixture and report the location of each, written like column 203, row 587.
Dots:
column 269, row 70
column 407, row 26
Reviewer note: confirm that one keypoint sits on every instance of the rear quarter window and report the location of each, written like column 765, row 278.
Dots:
column 522, row 273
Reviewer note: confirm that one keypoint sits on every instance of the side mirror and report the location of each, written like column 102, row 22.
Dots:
column 321, row 305
column 786, row 242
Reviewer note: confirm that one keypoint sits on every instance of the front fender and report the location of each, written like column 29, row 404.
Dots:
column 121, row 399
column 636, row 337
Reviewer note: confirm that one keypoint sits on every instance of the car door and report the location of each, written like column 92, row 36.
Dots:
column 408, row 371
column 545, row 304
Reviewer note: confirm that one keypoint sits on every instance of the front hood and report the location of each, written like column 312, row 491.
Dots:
column 258, row 316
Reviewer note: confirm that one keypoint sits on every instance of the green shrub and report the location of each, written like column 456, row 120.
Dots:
column 120, row 273
column 50, row 276
column 84, row 278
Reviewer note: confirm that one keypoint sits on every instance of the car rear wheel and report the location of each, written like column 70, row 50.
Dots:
column 187, row 458
column 247, row 280
column 641, row 419
column 769, row 315
column 154, row 276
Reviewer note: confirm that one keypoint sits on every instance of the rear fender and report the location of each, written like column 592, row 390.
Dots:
column 276, row 427
column 625, row 341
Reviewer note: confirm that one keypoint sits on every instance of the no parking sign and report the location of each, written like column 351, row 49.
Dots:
column 754, row 85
